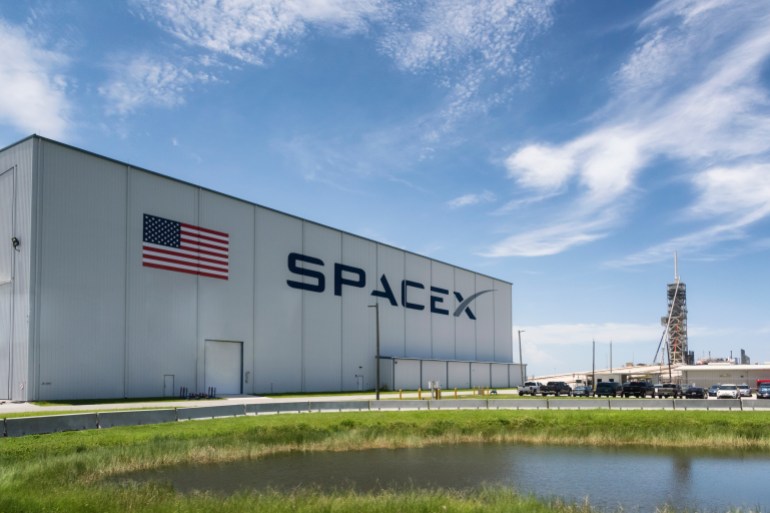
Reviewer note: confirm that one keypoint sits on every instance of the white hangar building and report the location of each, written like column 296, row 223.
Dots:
column 119, row 282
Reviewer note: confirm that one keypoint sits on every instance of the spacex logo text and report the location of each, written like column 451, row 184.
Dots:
column 350, row 276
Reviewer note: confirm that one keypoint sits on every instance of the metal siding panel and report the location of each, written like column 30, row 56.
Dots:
column 21, row 379
column 443, row 326
column 465, row 327
column 434, row 371
column 162, row 308
column 322, row 314
column 6, row 286
column 226, row 306
column 390, row 263
column 6, row 291
column 407, row 374
column 278, row 308
column 358, row 320
column 503, row 322
column 480, row 375
column 483, row 307
column 82, row 289
column 459, row 375
column 500, row 376
column 387, row 375
column 6, row 223
column 418, row 322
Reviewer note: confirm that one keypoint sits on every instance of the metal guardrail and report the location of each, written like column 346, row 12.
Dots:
column 22, row 426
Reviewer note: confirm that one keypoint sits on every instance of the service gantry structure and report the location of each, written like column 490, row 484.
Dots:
column 675, row 323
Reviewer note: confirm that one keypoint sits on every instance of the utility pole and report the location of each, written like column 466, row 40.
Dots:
column 376, row 307
column 610, row 355
column 521, row 362
column 593, row 365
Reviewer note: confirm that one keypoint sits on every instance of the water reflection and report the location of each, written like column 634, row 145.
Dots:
column 634, row 479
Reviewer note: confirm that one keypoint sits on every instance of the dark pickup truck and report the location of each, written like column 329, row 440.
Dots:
column 555, row 388
column 638, row 389
column 668, row 390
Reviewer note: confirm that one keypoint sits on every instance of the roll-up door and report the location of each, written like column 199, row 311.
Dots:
column 224, row 366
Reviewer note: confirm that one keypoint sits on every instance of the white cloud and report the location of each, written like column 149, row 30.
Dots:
column 251, row 31
column 472, row 199
column 469, row 45
column 552, row 239
column 466, row 44
column 742, row 192
column 731, row 199
column 719, row 112
column 541, row 167
column 32, row 93
column 144, row 80
column 446, row 32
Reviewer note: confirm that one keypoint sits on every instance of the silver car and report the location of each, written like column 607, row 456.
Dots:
column 745, row 390
column 728, row 391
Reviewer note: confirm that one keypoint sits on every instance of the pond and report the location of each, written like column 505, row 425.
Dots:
column 636, row 480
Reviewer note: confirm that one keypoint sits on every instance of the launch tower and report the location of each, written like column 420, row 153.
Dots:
column 676, row 321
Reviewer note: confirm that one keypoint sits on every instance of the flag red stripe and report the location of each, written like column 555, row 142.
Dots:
column 207, row 230
column 188, row 271
column 195, row 242
column 188, row 264
column 193, row 255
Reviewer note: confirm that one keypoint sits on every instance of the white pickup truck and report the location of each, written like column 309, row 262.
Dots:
column 530, row 388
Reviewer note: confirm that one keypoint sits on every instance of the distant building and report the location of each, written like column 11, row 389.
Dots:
column 745, row 360
column 707, row 375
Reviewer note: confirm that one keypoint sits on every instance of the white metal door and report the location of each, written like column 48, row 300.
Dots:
column 168, row 385
column 224, row 366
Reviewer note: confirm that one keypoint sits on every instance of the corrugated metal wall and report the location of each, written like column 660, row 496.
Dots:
column 110, row 327
column 15, row 271
column 82, row 253
column 6, row 272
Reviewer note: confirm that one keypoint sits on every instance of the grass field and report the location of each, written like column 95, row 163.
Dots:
column 70, row 472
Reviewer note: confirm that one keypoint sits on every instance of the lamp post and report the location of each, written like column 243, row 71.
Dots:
column 521, row 362
column 376, row 307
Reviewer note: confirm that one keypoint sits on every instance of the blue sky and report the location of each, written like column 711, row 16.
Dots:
column 569, row 147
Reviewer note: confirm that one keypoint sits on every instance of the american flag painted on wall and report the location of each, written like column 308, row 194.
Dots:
column 185, row 248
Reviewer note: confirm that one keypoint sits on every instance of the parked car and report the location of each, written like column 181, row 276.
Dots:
column 582, row 391
column 667, row 390
column 745, row 390
column 728, row 391
column 763, row 392
column 696, row 393
column 608, row 388
column 713, row 390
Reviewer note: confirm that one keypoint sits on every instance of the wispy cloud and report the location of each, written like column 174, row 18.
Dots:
column 730, row 200
column 147, row 81
column 718, row 112
column 469, row 46
column 467, row 200
column 32, row 90
column 252, row 31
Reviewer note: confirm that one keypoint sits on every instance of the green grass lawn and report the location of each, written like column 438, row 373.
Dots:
column 74, row 471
